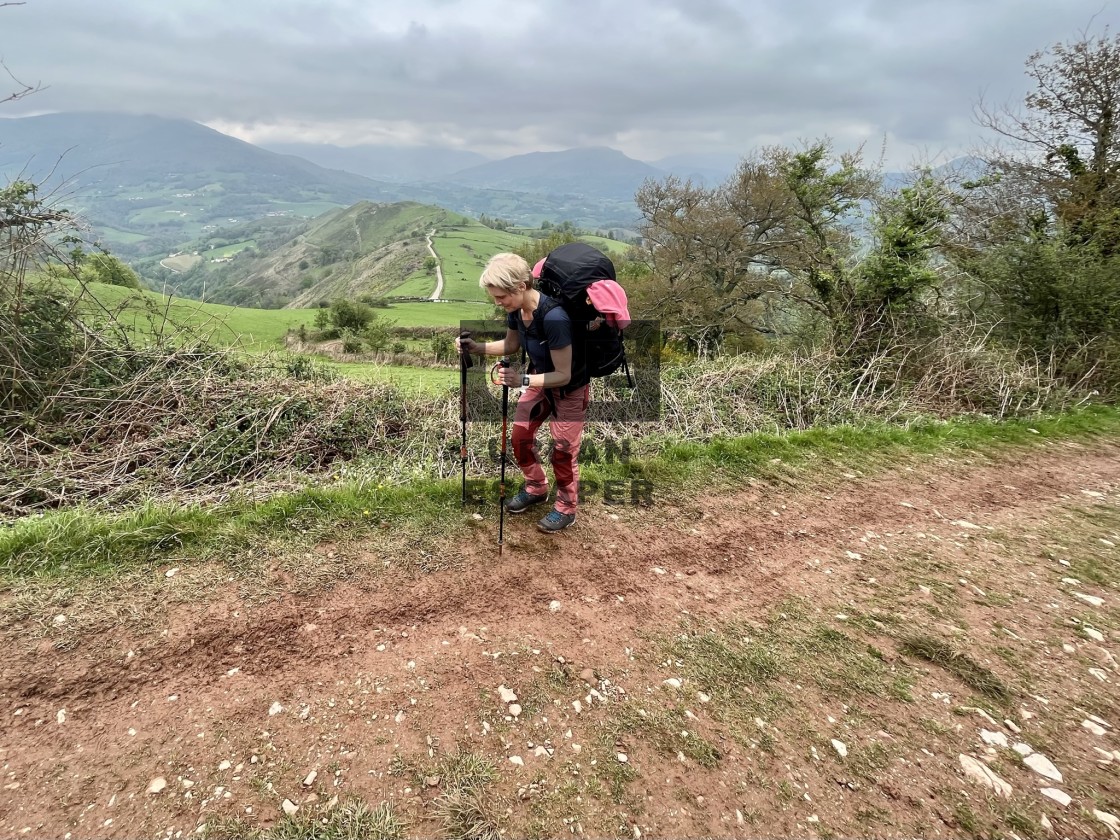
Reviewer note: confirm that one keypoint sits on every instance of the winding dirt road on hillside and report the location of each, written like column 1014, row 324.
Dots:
column 438, row 293
column 203, row 692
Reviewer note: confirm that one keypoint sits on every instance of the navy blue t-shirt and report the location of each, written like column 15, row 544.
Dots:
column 557, row 334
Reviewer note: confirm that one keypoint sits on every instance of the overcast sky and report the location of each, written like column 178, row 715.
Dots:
column 649, row 77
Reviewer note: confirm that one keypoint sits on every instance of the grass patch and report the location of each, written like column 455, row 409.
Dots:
column 467, row 814
column 868, row 761
column 748, row 674
column 353, row 820
column 466, row 809
column 253, row 329
column 612, row 773
column 740, row 666
column 80, row 543
column 228, row 250
column 1090, row 560
column 960, row 665
column 428, row 380
column 466, row 771
column 220, row 325
column 663, row 729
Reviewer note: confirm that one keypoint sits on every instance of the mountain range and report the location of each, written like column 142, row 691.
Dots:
column 396, row 164
column 579, row 170
column 148, row 184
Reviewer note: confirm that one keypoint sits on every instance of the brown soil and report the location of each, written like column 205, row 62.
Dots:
column 374, row 682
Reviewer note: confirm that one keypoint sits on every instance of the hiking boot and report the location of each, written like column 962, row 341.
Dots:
column 523, row 501
column 556, row 521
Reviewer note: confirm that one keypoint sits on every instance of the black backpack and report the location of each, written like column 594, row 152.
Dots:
column 565, row 277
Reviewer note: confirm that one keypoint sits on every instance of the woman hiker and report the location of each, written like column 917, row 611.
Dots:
column 547, row 339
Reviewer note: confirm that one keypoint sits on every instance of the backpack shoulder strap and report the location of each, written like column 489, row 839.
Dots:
column 537, row 326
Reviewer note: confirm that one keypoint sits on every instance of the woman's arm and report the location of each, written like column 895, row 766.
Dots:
column 562, row 370
column 506, row 347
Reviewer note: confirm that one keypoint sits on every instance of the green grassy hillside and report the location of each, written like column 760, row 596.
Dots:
column 610, row 247
column 463, row 251
column 363, row 249
column 256, row 329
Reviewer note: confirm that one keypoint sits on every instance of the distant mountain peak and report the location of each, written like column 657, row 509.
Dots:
column 594, row 171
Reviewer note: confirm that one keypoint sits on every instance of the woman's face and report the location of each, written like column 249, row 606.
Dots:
column 509, row 301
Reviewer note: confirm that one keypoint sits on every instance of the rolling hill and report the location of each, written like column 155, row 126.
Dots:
column 368, row 248
column 377, row 250
column 139, row 178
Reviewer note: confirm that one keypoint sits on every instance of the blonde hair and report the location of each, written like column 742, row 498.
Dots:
column 506, row 272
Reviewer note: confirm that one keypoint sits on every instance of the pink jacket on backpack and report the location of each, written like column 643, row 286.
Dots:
column 610, row 299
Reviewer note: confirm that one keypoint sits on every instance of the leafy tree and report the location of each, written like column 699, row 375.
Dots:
column 442, row 347
column 1065, row 139
column 495, row 223
column 1043, row 226
column 105, row 268
column 1060, row 301
column 909, row 230
column 42, row 331
column 348, row 315
column 728, row 260
column 378, row 333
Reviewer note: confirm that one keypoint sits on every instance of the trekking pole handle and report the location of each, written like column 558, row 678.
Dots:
column 502, row 363
column 465, row 336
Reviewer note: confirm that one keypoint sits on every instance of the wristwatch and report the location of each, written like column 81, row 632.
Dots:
column 524, row 380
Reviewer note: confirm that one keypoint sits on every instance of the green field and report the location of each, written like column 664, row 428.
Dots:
column 229, row 250
column 463, row 253
column 230, row 326
column 435, row 314
column 181, row 262
column 463, row 250
column 308, row 209
column 124, row 237
column 611, row 247
column 155, row 215
column 408, row 379
column 264, row 329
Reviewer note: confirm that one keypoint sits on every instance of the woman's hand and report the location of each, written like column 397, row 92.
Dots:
column 510, row 376
column 468, row 344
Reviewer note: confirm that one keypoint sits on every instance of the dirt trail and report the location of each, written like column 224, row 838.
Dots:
column 438, row 293
column 233, row 703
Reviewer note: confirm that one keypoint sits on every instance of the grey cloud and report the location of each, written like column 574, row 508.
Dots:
column 654, row 77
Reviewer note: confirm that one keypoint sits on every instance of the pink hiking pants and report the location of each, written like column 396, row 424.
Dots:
column 533, row 408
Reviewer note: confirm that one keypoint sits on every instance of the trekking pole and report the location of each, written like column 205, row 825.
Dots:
column 504, row 363
column 464, row 363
